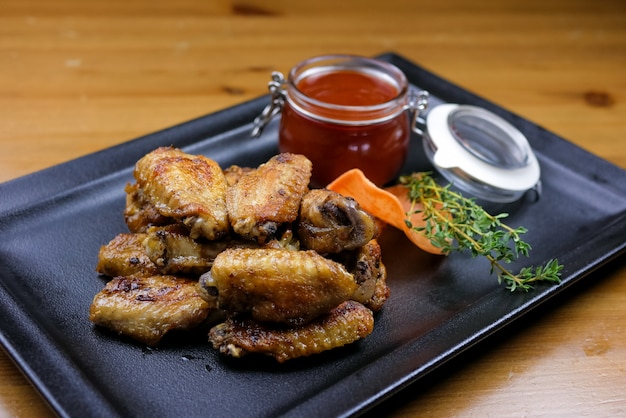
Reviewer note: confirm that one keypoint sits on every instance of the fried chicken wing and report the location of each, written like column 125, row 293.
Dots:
column 139, row 213
column 269, row 196
column 365, row 263
column 173, row 251
column 330, row 222
column 381, row 292
column 146, row 308
column 188, row 188
column 125, row 255
column 285, row 240
column 291, row 271
column 235, row 172
column 277, row 285
column 345, row 324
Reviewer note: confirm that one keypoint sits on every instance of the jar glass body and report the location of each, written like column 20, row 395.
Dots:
column 346, row 112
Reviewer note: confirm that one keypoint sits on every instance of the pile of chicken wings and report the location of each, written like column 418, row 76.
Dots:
column 266, row 263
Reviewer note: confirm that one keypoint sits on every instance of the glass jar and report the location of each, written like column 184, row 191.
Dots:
column 344, row 112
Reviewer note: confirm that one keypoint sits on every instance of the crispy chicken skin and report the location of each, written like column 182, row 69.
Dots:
column 188, row 188
column 381, row 292
column 330, row 222
column 139, row 213
column 345, row 324
column 365, row 263
column 263, row 199
column 235, row 172
column 146, row 308
column 124, row 255
column 173, row 251
column 277, row 285
column 291, row 271
column 285, row 240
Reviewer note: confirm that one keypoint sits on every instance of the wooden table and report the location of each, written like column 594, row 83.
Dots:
column 78, row 76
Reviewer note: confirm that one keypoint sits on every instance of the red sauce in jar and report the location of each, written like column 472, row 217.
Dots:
column 355, row 119
column 348, row 88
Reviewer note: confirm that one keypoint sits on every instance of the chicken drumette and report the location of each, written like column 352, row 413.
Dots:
column 331, row 223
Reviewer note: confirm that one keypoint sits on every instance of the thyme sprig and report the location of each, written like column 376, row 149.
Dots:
column 453, row 222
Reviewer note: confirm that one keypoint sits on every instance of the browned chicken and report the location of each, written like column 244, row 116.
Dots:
column 173, row 251
column 330, row 222
column 269, row 196
column 277, row 285
column 345, row 324
column 235, row 172
column 125, row 255
column 146, row 308
column 296, row 271
column 381, row 293
column 365, row 263
column 286, row 240
column 139, row 213
column 188, row 188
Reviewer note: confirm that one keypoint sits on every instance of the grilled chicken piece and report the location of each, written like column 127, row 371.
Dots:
column 381, row 292
column 330, row 222
column 188, row 188
column 146, row 308
column 286, row 241
column 124, row 255
column 277, row 285
column 345, row 324
column 235, row 172
column 365, row 263
column 173, row 251
column 139, row 213
column 269, row 196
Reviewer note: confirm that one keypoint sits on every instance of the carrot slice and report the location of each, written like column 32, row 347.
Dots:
column 389, row 205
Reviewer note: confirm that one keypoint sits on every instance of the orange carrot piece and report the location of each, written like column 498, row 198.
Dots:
column 389, row 205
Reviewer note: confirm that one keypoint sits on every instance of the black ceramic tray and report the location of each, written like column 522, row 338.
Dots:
column 52, row 224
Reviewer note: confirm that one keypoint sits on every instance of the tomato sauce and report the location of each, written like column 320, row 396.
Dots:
column 354, row 120
column 348, row 88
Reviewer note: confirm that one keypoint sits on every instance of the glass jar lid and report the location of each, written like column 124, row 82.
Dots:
column 480, row 152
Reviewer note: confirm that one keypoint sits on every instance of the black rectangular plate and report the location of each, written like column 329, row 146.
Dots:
column 53, row 222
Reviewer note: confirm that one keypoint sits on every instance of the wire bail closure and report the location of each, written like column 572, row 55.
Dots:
column 418, row 105
column 278, row 96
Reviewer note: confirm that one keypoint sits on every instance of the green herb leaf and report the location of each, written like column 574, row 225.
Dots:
column 456, row 223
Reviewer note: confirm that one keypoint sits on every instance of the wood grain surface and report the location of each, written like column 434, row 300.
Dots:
column 80, row 76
